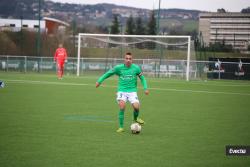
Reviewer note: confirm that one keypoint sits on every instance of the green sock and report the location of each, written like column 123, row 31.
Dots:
column 121, row 118
column 136, row 114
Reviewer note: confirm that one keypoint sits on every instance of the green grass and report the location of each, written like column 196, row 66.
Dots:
column 71, row 123
column 186, row 25
column 170, row 23
column 190, row 25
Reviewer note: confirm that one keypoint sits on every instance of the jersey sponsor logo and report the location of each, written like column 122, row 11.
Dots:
column 127, row 77
column 128, row 74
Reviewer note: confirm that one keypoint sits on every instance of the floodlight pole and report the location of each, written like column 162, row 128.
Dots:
column 21, row 36
column 39, row 29
column 158, row 18
column 78, row 55
column 74, row 38
column 38, row 52
column 74, row 35
column 158, row 33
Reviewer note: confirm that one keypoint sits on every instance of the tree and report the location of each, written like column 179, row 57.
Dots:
column 220, row 47
column 151, row 30
column 246, row 10
column 7, row 45
column 130, row 26
column 139, row 27
column 152, row 25
column 139, row 30
column 115, row 25
column 222, row 10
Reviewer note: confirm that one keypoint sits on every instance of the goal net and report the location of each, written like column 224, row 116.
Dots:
column 158, row 56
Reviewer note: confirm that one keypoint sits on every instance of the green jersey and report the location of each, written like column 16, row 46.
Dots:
column 127, row 77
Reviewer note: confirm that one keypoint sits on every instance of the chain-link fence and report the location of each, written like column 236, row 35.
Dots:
column 151, row 67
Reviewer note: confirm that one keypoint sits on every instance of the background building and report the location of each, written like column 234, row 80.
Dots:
column 54, row 25
column 228, row 28
column 48, row 25
column 16, row 24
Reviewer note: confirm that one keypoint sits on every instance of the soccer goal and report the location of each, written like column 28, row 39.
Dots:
column 158, row 56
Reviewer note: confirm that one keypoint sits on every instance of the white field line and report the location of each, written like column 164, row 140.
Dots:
column 111, row 86
column 47, row 82
column 166, row 81
column 206, row 83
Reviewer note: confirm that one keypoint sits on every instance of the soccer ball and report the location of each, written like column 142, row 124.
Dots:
column 135, row 128
column 1, row 84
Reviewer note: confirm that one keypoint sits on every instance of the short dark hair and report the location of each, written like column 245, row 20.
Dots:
column 128, row 53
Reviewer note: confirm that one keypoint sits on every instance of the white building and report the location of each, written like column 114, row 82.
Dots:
column 48, row 25
column 232, row 28
column 16, row 24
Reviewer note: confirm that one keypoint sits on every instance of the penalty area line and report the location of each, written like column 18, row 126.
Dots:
column 48, row 82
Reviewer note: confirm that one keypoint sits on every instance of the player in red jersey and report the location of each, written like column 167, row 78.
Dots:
column 60, row 57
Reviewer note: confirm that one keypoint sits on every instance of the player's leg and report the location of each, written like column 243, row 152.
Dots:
column 136, row 110
column 58, row 69
column 133, row 98
column 122, row 105
column 136, row 107
column 62, row 69
column 121, row 99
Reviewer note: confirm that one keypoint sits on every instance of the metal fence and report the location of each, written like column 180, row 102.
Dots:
column 151, row 67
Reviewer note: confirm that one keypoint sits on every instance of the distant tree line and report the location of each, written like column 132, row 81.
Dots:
column 25, row 43
column 135, row 26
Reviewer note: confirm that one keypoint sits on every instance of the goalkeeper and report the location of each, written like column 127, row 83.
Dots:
column 127, row 87
column 60, row 57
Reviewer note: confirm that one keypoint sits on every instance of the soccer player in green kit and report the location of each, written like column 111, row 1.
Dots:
column 127, row 87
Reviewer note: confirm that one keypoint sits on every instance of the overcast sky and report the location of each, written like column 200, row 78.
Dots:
column 207, row 5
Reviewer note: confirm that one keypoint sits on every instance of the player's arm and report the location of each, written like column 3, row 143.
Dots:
column 105, row 76
column 144, row 82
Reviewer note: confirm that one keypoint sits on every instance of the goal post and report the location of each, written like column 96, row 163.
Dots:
column 159, row 50
column 188, row 58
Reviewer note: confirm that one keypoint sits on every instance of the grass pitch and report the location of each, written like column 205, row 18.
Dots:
column 50, row 122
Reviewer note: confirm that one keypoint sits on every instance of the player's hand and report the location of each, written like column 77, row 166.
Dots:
column 146, row 92
column 97, row 84
column 66, row 61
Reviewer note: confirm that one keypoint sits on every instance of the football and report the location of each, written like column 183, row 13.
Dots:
column 1, row 84
column 135, row 128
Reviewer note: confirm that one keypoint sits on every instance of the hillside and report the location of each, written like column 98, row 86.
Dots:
column 99, row 14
